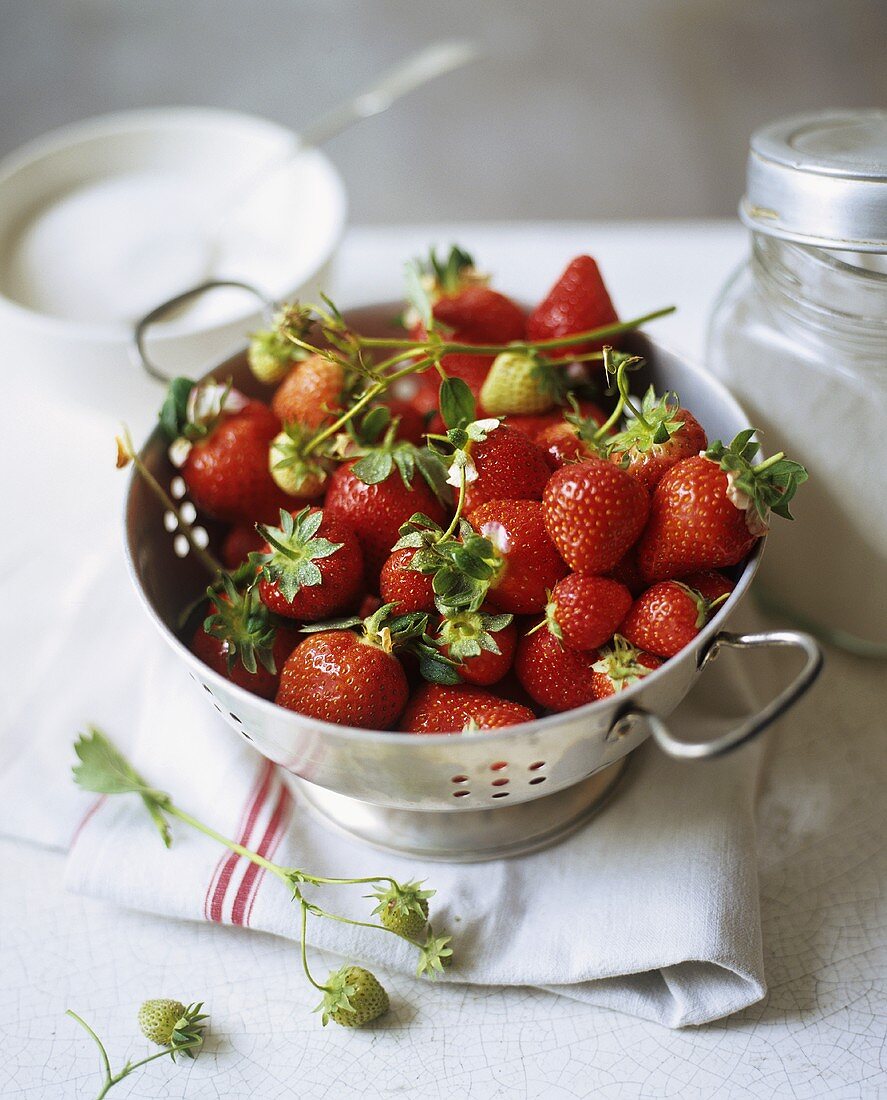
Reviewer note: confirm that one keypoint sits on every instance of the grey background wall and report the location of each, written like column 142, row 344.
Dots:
column 584, row 108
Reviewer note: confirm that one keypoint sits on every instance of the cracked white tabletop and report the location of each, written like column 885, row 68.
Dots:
column 822, row 1029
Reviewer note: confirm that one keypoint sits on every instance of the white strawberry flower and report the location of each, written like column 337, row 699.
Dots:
column 497, row 535
column 478, row 430
column 461, row 466
column 207, row 401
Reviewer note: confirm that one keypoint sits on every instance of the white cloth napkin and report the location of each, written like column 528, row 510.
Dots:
column 652, row 909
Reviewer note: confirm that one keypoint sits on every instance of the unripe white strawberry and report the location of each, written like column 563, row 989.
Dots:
column 518, row 383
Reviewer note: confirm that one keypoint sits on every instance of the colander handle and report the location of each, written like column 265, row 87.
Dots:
column 159, row 312
column 756, row 723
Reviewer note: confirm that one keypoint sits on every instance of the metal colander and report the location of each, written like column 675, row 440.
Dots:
column 469, row 796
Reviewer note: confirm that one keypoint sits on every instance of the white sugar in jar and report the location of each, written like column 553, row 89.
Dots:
column 799, row 334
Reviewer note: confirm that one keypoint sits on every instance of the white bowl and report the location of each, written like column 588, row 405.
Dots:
column 90, row 359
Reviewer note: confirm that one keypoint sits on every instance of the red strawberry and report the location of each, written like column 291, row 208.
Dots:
column 584, row 612
column 311, row 566
column 529, row 565
column 347, row 678
column 407, row 589
column 665, row 618
column 708, row 511
column 577, row 302
column 438, row 708
column 227, row 472
column 241, row 540
column 507, row 466
column 694, row 524
column 557, row 677
column 238, row 641
column 482, row 643
column 376, row 512
column 533, row 424
column 709, row 583
column 311, row 394
column 619, row 665
column 594, row 513
column 649, row 447
column 479, row 315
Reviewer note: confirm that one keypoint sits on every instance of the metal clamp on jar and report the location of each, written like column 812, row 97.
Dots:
column 799, row 334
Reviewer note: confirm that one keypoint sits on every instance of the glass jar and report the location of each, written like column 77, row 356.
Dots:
column 799, row 335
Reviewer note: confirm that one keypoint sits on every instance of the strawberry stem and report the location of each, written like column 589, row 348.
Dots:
column 454, row 522
column 768, row 462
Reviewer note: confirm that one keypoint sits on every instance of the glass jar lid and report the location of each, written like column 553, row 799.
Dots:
column 820, row 179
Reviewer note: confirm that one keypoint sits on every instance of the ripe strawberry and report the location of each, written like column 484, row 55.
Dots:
column 403, row 908
column 353, row 997
column 311, row 394
column 619, row 665
column 665, row 618
column 557, row 677
column 708, row 511
column 376, row 511
column 238, row 641
column 584, row 612
column 170, row 1023
column 406, row 588
column 347, row 678
column 518, row 382
column 527, row 564
column 651, row 445
column 439, row 708
column 479, row 315
column 534, row 425
column 710, row 584
column 482, row 643
column 219, row 441
column 578, row 301
column 241, row 540
column 311, row 566
column 594, row 513
column 504, row 466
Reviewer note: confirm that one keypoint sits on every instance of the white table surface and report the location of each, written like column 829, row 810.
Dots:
column 823, row 867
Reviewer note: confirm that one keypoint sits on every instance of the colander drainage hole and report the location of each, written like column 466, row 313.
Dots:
column 206, row 687
column 498, row 766
column 234, row 717
column 180, row 546
column 538, row 779
column 500, row 794
column 535, row 767
column 461, row 794
column 459, row 779
column 500, row 783
column 246, row 735
column 177, row 487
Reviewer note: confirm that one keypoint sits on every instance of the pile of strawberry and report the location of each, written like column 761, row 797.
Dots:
column 481, row 527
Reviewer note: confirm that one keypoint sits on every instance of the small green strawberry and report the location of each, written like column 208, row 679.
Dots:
column 170, row 1023
column 299, row 474
column 403, row 908
column 353, row 997
column 270, row 355
column 518, row 383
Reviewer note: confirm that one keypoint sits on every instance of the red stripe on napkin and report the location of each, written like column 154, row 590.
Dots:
column 215, row 893
column 249, row 884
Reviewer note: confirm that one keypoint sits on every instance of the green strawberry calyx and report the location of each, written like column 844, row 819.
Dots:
column 469, row 633
column 435, row 955
column 397, row 634
column 620, row 662
column 403, row 902
column 295, row 550
column 462, row 566
column 380, row 461
column 243, row 624
column 658, row 420
column 758, row 489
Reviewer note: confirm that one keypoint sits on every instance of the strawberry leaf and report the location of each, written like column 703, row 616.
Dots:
column 174, row 411
column 457, row 404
